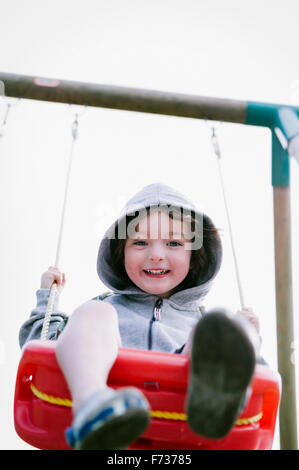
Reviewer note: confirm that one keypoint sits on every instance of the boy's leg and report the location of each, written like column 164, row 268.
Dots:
column 252, row 334
column 222, row 365
column 86, row 350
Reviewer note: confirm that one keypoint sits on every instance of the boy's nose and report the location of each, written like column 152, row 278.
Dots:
column 156, row 255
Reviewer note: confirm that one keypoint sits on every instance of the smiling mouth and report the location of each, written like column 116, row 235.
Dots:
column 156, row 272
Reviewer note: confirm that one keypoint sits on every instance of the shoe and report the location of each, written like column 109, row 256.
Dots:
column 109, row 422
column 222, row 366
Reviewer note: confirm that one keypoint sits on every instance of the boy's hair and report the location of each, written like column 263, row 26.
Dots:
column 199, row 258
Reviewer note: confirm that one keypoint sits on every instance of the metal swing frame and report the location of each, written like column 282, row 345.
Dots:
column 283, row 123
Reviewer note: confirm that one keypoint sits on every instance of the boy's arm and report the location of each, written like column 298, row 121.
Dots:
column 32, row 328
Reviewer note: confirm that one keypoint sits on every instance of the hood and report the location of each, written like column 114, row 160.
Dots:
column 154, row 195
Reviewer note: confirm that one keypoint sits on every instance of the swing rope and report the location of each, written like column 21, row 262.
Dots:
column 217, row 152
column 53, row 290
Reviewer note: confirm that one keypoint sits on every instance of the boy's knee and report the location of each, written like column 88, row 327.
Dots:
column 94, row 315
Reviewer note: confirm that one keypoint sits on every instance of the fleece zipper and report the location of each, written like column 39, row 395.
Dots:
column 156, row 317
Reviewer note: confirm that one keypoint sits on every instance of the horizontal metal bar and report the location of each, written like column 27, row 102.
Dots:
column 129, row 99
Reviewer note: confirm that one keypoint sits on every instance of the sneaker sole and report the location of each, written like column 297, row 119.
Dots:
column 118, row 432
column 222, row 366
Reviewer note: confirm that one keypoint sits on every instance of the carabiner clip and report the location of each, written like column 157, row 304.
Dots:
column 215, row 143
column 75, row 127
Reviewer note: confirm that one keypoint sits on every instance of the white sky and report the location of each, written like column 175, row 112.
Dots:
column 232, row 49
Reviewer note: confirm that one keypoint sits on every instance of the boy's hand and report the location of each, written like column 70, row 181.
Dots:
column 251, row 317
column 53, row 274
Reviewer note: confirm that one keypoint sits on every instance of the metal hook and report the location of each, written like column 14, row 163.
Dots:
column 75, row 127
column 215, row 143
column 8, row 108
column 75, row 124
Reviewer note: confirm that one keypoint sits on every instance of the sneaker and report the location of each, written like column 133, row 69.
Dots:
column 109, row 420
column 222, row 366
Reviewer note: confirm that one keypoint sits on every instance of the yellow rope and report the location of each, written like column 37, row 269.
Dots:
column 251, row 420
column 50, row 398
column 169, row 415
column 154, row 414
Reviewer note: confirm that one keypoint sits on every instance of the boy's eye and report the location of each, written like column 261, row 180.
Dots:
column 178, row 243
column 142, row 243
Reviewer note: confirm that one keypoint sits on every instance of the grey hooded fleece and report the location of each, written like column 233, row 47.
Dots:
column 145, row 320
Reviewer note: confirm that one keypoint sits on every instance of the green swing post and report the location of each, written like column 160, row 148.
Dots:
column 273, row 116
column 284, row 298
column 284, row 124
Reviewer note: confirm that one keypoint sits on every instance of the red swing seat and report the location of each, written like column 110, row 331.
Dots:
column 41, row 418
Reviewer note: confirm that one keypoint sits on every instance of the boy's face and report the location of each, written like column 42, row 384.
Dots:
column 159, row 243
